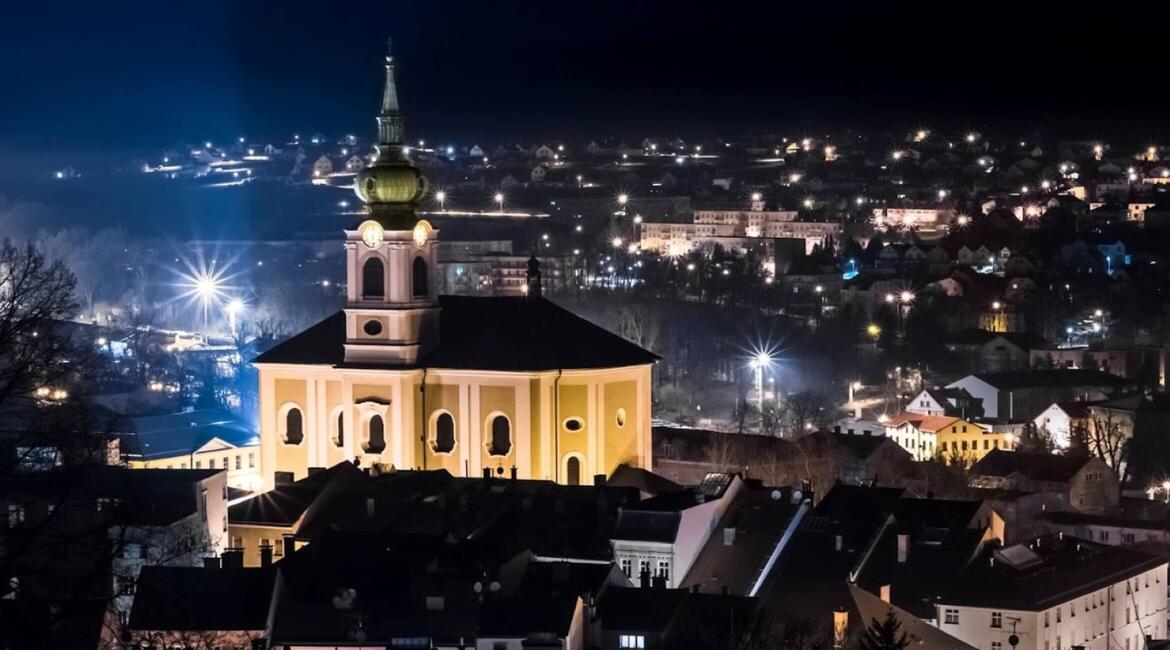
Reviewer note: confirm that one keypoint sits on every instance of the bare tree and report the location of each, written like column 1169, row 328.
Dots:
column 1108, row 438
column 34, row 295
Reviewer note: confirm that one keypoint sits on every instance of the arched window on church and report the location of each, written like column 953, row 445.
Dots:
column 373, row 279
column 419, row 278
column 294, row 426
column 444, row 442
column 501, row 442
column 376, row 435
column 573, row 471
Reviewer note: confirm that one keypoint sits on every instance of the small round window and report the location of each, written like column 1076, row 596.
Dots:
column 371, row 185
column 372, row 328
column 574, row 424
column 621, row 417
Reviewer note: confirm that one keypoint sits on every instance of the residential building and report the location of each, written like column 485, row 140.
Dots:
column 1085, row 483
column 1057, row 591
column 1024, row 394
column 655, row 541
column 200, row 439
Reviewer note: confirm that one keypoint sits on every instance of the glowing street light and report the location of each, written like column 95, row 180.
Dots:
column 233, row 309
column 616, row 242
column 873, row 330
column 897, row 155
column 756, row 196
column 623, row 199
column 441, row 198
column 499, row 199
column 906, row 297
column 972, row 137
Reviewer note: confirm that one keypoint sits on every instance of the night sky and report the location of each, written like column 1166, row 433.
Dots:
column 126, row 75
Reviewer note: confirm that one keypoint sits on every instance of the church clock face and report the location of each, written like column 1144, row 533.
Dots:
column 421, row 233
column 371, row 233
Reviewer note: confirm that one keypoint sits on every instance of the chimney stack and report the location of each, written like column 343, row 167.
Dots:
column 644, row 578
column 903, row 547
column 233, row 558
column 266, row 555
column 211, row 562
column 599, row 480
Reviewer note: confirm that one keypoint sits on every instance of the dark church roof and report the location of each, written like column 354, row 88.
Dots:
column 486, row 333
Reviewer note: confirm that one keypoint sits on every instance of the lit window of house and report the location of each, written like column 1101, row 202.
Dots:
column 997, row 619
column 637, row 641
column 952, row 617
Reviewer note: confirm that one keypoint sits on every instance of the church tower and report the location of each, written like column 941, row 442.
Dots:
column 392, row 311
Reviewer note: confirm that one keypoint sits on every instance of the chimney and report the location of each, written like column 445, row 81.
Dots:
column 487, row 472
column 233, row 558
column 903, row 547
column 729, row 535
column 513, row 470
column 644, row 578
column 211, row 562
column 695, row 588
column 659, row 582
column 599, row 480
column 840, row 625
column 885, row 593
column 266, row 555
column 837, row 429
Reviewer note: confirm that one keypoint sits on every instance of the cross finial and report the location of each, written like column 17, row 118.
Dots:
column 389, row 42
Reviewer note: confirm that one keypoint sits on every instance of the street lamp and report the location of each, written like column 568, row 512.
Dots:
column 499, row 198
column 441, row 198
column 761, row 360
column 233, row 309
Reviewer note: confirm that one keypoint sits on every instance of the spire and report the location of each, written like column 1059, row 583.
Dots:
column 390, row 185
column 390, row 120
column 390, row 92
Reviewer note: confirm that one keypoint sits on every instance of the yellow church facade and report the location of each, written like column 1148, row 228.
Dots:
column 404, row 378
column 563, row 425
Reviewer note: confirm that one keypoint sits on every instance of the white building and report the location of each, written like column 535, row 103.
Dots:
column 1058, row 593
column 661, row 537
column 714, row 226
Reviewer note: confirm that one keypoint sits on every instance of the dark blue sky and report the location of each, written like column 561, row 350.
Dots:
column 100, row 76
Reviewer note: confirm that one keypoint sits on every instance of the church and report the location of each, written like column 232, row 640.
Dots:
column 403, row 378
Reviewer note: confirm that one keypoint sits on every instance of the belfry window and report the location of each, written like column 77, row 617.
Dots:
column 373, row 279
column 501, row 441
column 419, row 278
column 294, row 426
column 376, row 435
column 444, row 441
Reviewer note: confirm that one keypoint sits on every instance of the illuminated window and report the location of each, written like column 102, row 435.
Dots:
column 635, row 641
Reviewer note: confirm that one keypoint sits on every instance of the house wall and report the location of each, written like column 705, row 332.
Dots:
column 612, row 404
column 1104, row 619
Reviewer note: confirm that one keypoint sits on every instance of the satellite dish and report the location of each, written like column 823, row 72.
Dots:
column 797, row 495
column 777, row 495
